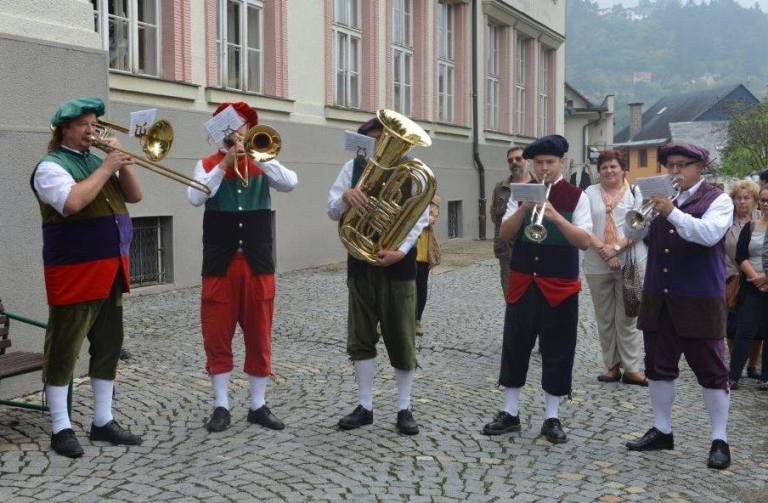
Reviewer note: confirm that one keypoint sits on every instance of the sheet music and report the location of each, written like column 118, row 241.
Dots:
column 143, row 118
column 656, row 186
column 223, row 123
column 354, row 142
column 528, row 192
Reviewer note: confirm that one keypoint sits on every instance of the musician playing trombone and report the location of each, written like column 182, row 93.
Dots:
column 86, row 241
column 238, row 266
column 543, row 292
column 384, row 293
column 683, row 308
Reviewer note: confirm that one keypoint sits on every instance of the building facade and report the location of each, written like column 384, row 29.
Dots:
column 589, row 131
column 312, row 68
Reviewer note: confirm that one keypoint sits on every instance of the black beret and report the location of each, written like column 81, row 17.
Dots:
column 371, row 125
column 547, row 145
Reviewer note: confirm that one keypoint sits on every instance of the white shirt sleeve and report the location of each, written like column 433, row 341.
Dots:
column 53, row 185
column 210, row 178
column 336, row 205
column 280, row 178
column 582, row 216
column 511, row 209
column 710, row 228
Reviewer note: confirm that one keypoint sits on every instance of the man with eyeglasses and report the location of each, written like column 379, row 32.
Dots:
column 518, row 174
column 683, row 307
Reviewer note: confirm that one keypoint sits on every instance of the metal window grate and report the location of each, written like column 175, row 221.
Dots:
column 149, row 251
column 454, row 219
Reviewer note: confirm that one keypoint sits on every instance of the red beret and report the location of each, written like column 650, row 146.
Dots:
column 246, row 112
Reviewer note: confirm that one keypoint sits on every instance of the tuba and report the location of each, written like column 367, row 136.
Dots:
column 390, row 214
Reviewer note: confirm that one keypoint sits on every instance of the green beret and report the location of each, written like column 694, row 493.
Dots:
column 74, row 108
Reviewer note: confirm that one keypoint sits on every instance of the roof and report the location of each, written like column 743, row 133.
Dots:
column 686, row 107
column 573, row 90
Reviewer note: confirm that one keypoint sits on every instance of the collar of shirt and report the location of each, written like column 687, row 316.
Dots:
column 684, row 195
column 84, row 154
column 558, row 180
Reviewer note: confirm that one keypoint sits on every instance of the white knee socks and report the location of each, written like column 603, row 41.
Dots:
column 404, row 379
column 364, row 372
column 258, row 389
column 662, row 398
column 220, row 385
column 57, row 402
column 512, row 401
column 102, row 400
column 718, row 401
column 553, row 406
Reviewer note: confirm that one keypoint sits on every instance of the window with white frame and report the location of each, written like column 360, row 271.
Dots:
column 402, row 55
column 240, row 44
column 492, row 80
column 445, row 61
column 520, row 76
column 544, row 62
column 130, row 30
column 347, row 49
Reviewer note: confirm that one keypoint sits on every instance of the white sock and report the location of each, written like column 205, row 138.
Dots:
column 718, row 401
column 102, row 400
column 220, row 385
column 364, row 372
column 553, row 406
column 662, row 398
column 404, row 379
column 57, row 402
column 258, row 388
column 512, row 401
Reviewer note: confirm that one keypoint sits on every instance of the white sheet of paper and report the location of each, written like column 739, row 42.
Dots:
column 528, row 192
column 354, row 142
column 224, row 123
column 142, row 118
column 656, row 186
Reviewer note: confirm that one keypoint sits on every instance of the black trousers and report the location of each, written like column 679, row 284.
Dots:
column 556, row 327
column 422, row 277
column 751, row 321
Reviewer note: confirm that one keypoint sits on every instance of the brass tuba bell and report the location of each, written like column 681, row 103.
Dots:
column 390, row 213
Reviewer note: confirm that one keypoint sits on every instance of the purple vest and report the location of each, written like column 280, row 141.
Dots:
column 686, row 278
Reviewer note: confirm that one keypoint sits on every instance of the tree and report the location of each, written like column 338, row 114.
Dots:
column 747, row 149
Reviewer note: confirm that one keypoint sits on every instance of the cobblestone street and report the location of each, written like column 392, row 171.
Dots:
column 164, row 394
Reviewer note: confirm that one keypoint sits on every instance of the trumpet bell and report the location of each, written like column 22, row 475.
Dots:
column 536, row 233
column 262, row 143
column 158, row 140
column 636, row 220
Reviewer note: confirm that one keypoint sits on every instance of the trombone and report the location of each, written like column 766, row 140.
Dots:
column 262, row 143
column 155, row 141
column 535, row 231
column 639, row 219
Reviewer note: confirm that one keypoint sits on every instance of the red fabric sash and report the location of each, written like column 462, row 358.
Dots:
column 555, row 290
column 213, row 160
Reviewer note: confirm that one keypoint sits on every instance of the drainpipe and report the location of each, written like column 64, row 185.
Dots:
column 481, row 202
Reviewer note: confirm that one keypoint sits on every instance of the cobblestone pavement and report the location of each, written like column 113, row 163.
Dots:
column 163, row 394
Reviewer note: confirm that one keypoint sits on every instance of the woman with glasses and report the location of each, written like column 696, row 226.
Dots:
column 752, row 313
column 609, row 202
column 744, row 194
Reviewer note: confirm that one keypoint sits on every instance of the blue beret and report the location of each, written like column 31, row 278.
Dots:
column 547, row 145
column 74, row 108
column 685, row 149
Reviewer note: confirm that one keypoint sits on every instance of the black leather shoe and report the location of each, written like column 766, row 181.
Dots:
column 357, row 418
column 653, row 440
column 719, row 455
column 114, row 433
column 65, row 443
column 733, row 384
column 219, row 421
column 406, row 424
column 264, row 417
column 503, row 422
column 552, row 430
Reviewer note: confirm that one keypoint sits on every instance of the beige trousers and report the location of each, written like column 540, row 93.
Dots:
column 620, row 340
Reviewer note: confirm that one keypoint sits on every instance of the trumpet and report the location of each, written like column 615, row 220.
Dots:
column 262, row 143
column 638, row 220
column 156, row 142
column 535, row 231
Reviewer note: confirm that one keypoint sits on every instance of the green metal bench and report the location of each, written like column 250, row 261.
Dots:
column 16, row 363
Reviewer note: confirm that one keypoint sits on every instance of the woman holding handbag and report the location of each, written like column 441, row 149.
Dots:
column 752, row 311
column 744, row 194
column 610, row 200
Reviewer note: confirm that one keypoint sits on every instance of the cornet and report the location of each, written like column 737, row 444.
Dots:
column 262, row 143
column 535, row 231
column 638, row 220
